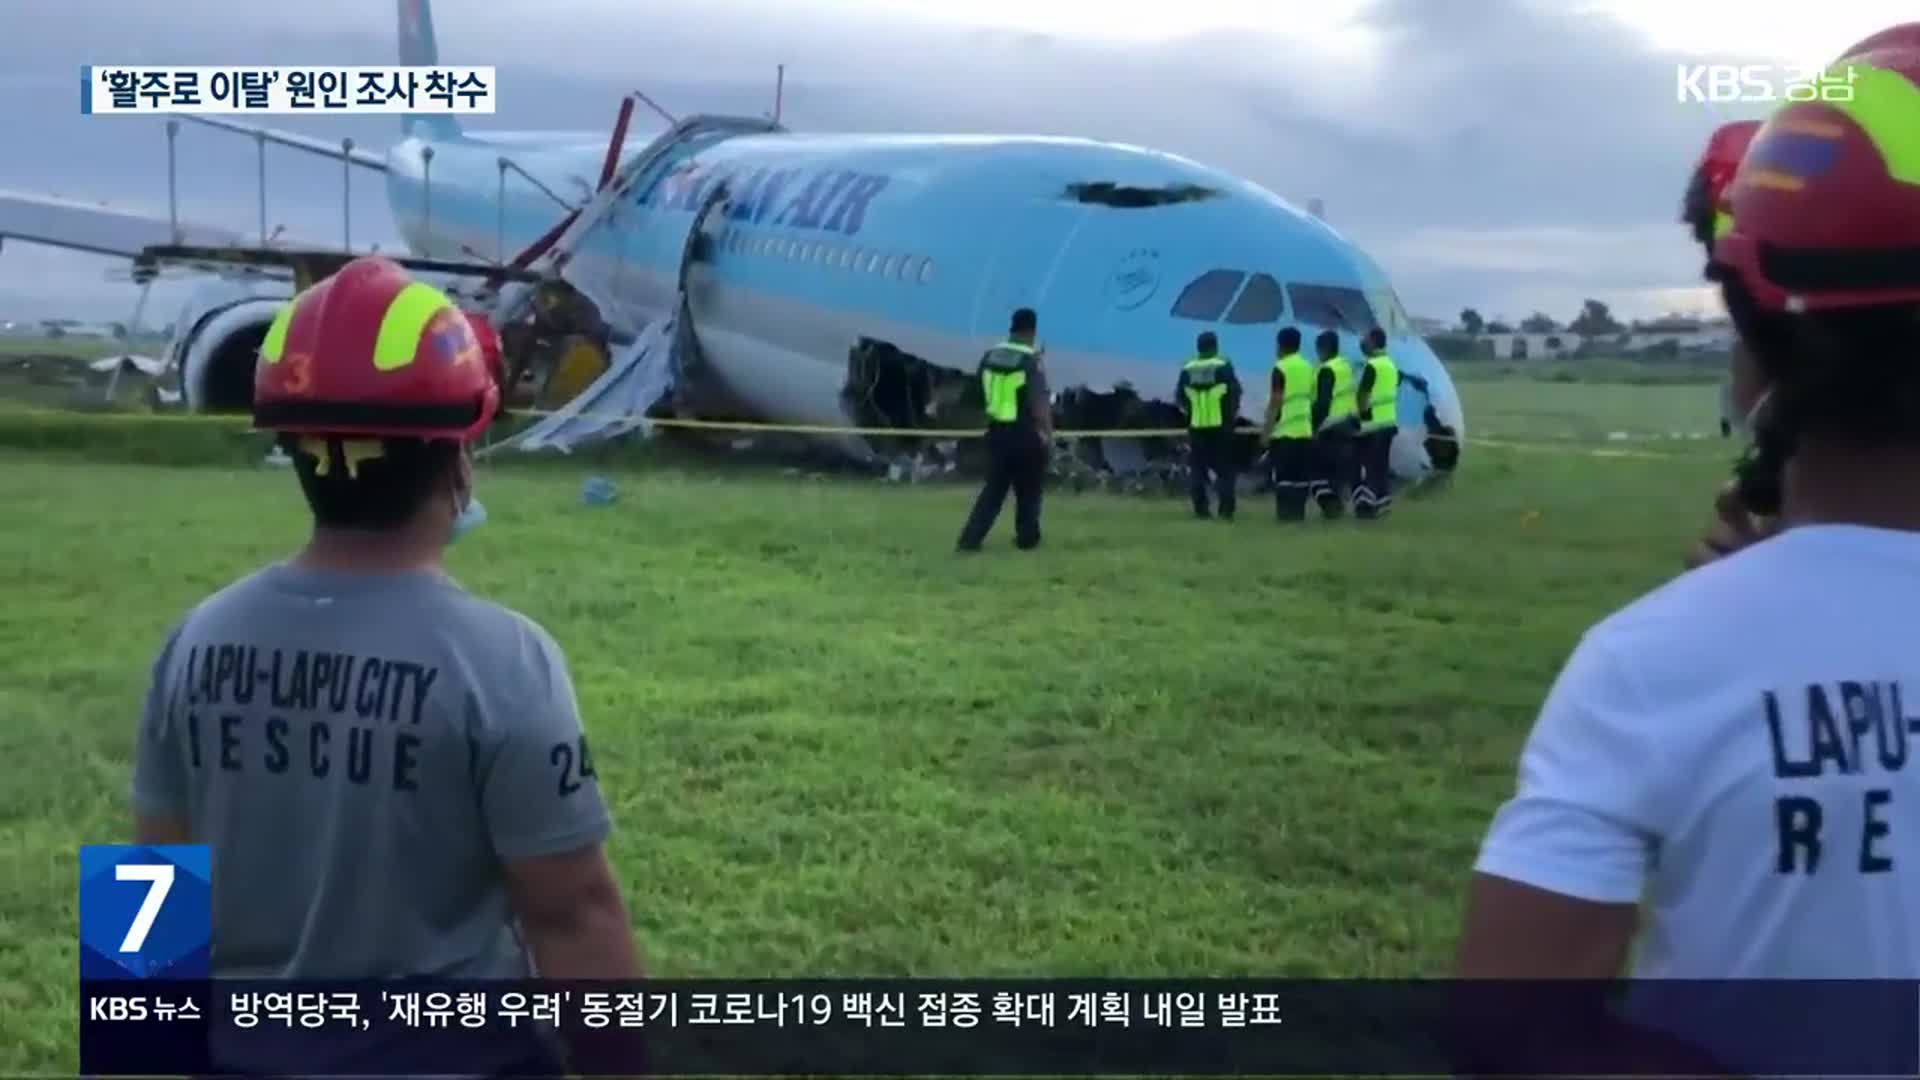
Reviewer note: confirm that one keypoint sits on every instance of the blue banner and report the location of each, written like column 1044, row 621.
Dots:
column 145, row 912
column 971, row 1027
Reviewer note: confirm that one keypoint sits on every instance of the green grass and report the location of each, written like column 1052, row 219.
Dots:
column 76, row 347
column 1154, row 747
column 1524, row 409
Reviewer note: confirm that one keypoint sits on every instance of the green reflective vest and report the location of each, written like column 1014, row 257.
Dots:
column 1206, row 392
column 1296, row 398
column 1003, row 375
column 1343, row 404
column 1383, row 408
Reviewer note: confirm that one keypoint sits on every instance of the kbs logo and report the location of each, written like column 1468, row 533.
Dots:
column 117, row 1008
column 1744, row 83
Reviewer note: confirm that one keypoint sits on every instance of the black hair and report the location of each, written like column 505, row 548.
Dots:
column 1024, row 322
column 1328, row 343
column 1849, row 377
column 1290, row 340
column 372, row 493
column 1377, row 338
column 1697, row 210
column 1206, row 343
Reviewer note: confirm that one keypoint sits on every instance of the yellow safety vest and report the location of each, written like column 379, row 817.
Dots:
column 1383, row 408
column 1343, row 404
column 1296, row 398
column 1206, row 392
column 1002, row 378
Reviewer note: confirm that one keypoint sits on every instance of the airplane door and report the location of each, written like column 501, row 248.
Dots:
column 1030, row 251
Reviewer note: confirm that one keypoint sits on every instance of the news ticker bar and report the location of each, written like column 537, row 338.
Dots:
column 228, row 90
column 1001, row 1027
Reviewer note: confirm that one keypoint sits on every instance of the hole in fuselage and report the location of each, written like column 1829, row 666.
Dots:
column 228, row 383
column 1128, row 197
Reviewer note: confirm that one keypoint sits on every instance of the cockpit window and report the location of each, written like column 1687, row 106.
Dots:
column 1261, row 302
column 1332, row 306
column 1206, row 296
column 1393, row 315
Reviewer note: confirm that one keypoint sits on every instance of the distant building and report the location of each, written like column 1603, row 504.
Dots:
column 1532, row 346
column 1669, row 333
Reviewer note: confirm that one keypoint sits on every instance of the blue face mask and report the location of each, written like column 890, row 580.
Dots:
column 472, row 516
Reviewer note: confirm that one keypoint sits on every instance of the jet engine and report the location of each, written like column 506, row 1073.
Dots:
column 215, row 347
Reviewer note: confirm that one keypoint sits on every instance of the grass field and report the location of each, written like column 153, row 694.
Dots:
column 1156, row 746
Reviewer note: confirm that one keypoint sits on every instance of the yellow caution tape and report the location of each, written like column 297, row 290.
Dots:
column 237, row 420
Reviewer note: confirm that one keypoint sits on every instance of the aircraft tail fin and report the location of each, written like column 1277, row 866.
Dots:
column 417, row 47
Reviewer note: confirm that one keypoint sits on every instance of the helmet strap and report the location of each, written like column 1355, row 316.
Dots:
column 1760, row 473
column 347, row 454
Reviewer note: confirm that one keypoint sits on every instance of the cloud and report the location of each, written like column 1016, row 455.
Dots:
column 1503, row 148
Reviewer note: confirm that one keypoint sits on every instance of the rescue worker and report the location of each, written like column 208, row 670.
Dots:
column 1287, row 431
column 1019, row 436
column 1442, row 443
column 1334, row 427
column 391, row 771
column 1720, row 765
column 1377, row 402
column 1208, row 391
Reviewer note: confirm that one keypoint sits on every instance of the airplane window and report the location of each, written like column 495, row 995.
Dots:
column 907, row 267
column 1260, row 302
column 926, row 271
column 1206, row 296
column 892, row 261
column 1393, row 315
column 1333, row 306
column 873, row 263
column 848, row 256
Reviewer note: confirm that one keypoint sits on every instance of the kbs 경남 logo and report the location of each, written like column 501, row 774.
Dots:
column 1744, row 83
column 145, row 912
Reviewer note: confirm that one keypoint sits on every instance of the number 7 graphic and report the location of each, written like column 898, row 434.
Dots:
column 159, row 877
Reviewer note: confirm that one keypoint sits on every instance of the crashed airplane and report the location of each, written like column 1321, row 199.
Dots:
column 746, row 272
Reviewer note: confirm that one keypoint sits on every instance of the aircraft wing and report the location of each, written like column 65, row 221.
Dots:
column 363, row 158
column 95, row 227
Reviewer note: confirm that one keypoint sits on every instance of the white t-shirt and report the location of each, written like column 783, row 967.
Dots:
column 1732, row 750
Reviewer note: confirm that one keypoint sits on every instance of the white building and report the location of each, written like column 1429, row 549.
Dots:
column 1683, row 334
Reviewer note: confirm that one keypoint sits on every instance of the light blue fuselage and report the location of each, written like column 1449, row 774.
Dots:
column 928, row 243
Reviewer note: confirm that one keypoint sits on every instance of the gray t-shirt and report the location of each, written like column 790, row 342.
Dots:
column 362, row 752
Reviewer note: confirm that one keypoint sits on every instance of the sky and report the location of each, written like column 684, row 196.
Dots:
column 1507, row 155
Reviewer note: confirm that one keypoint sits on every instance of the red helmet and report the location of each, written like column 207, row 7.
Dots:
column 370, row 351
column 1826, row 203
column 1705, row 207
column 1903, row 36
column 489, row 339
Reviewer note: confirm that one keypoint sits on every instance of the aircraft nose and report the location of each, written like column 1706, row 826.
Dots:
column 1416, row 357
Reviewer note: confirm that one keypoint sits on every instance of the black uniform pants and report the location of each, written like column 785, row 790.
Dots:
column 1333, row 475
column 1290, row 463
column 1016, row 461
column 1210, row 456
column 1373, row 493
